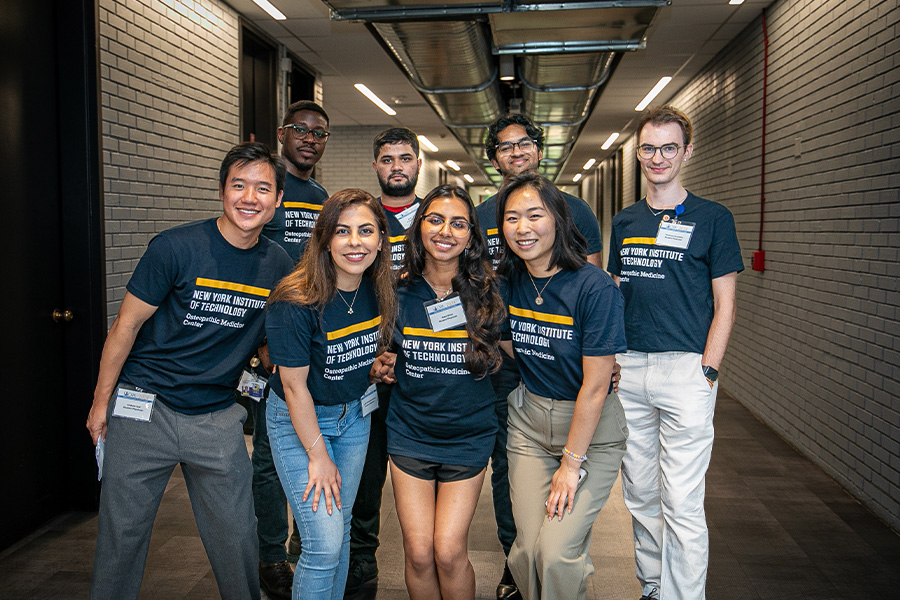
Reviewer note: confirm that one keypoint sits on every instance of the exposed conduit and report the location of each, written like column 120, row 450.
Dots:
column 759, row 257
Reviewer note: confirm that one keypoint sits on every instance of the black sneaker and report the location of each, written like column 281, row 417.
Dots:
column 276, row 579
column 507, row 588
column 361, row 572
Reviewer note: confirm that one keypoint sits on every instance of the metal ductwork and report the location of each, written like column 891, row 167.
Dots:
column 565, row 53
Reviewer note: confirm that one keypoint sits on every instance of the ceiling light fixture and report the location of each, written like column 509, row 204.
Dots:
column 427, row 143
column 589, row 163
column 452, row 164
column 468, row 178
column 653, row 93
column 273, row 12
column 576, row 178
column 375, row 99
column 735, row 2
column 507, row 68
column 609, row 141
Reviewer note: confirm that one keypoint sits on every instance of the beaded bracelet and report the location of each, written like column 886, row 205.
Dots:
column 314, row 443
column 579, row 457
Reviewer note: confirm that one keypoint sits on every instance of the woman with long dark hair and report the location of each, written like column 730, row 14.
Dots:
column 440, row 421
column 326, row 322
column 566, row 428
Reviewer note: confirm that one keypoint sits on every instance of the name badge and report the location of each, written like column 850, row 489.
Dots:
column 675, row 234
column 369, row 400
column 251, row 386
column 406, row 216
column 446, row 313
column 134, row 404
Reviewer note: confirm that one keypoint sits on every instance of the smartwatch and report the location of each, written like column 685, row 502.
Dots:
column 710, row 373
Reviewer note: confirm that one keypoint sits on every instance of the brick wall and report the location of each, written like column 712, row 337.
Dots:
column 169, row 86
column 815, row 352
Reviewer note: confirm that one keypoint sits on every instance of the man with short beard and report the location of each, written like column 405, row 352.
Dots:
column 396, row 165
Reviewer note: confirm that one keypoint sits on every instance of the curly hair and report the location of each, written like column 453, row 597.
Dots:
column 474, row 281
column 493, row 133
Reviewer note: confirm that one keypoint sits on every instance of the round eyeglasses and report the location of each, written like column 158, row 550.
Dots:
column 458, row 227
column 525, row 145
column 300, row 132
column 668, row 151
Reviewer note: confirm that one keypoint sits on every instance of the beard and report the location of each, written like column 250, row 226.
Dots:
column 405, row 188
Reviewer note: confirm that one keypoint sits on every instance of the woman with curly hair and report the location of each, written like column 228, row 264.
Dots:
column 441, row 424
column 325, row 323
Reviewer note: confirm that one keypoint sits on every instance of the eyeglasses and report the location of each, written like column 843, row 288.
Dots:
column 668, row 151
column 458, row 227
column 300, row 132
column 525, row 145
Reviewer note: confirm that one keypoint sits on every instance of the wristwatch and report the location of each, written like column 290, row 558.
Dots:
column 710, row 373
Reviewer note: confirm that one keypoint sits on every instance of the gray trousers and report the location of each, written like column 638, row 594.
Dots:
column 139, row 461
column 550, row 560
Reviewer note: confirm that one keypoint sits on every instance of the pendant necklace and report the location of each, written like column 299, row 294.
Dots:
column 539, row 300
column 352, row 302
column 441, row 295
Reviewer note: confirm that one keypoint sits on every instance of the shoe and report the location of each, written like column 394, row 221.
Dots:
column 649, row 596
column 295, row 546
column 507, row 588
column 276, row 579
column 361, row 572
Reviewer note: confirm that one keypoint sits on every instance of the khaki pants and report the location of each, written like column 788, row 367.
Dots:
column 550, row 559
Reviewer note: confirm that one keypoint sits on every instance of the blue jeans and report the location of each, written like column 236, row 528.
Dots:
column 322, row 568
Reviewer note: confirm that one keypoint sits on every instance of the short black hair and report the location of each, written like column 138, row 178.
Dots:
column 494, row 129
column 251, row 152
column 569, row 246
column 303, row 105
column 395, row 135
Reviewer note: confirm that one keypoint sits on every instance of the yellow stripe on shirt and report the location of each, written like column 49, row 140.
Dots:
column 422, row 332
column 345, row 331
column 493, row 231
column 397, row 238
column 234, row 287
column 302, row 205
column 540, row 316
column 639, row 240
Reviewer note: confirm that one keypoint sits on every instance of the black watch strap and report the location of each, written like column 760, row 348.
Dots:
column 710, row 373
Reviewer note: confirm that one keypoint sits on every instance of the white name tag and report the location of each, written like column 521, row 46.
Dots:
column 369, row 400
column 675, row 234
column 406, row 216
column 446, row 313
column 252, row 386
column 132, row 404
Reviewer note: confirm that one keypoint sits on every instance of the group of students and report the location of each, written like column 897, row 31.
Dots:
column 335, row 325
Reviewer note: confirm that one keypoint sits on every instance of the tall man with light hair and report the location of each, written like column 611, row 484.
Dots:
column 676, row 258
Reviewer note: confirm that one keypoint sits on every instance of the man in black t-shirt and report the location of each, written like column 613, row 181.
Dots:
column 192, row 316
column 397, row 164
column 676, row 258
column 303, row 135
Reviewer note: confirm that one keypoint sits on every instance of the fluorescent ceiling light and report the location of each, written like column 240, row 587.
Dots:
column 452, row 164
column 375, row 99
column 609, row 141
column 468, row 178
column 576, row 178
column 427, row 143
column 653, row 93
column 736, row 2
column 273, row 12
column 589, row 163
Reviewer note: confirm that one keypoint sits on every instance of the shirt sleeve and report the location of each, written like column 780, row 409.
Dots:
column 725, row 251
column 587, row 224
column 602, row 315
column 613, row 264
column 156, row 272
column 289, row 331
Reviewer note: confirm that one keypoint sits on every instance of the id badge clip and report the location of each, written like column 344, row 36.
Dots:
column 369, row 400
column 446, row 313
column 674, row 234
column 134, row 404
column 251, row 386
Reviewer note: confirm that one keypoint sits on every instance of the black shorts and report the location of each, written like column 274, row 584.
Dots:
column 431, row 471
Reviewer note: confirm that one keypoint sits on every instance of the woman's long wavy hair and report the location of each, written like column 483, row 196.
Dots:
column 475, row 283
column 314, row 280
column 569, row 247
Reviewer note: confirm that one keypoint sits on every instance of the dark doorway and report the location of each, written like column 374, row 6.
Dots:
column 52, row 246
column 259, row 90
column 303, row 83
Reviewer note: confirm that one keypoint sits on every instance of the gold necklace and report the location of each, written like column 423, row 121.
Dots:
column 539, row 300
column 352, row 302
column 441, row 295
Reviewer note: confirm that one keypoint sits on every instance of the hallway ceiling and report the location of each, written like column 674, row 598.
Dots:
column 581, row 65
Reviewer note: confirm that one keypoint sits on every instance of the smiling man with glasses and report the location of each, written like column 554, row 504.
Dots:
column 676, row 258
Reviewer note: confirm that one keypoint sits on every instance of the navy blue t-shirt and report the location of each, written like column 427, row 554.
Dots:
column 211, row 298
column 295, row 219
column 397, row 234
column 582, row 315
column 439, row 412
column 338, row 347
column 585, row 222
column 668, row 290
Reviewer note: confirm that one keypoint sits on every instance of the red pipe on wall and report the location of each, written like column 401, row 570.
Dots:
column 759, row 257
